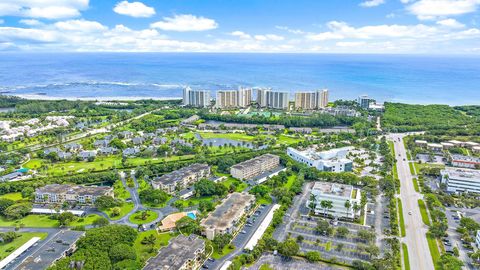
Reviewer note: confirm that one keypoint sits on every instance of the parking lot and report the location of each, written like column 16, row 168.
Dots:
column 280, row 263
column 241, row 239
column 297, row 223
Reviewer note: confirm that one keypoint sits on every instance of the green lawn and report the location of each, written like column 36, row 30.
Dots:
column 194, row 201
column 265, row 267
column 419, row 166
column 400, row 217
column 120, row 191
column 423, row 212
column 144, row 251
column 434, row 252
column 16, row 196
column 291, row 180
column 267, row 200
column 124, row 210
column 288, row 139
column 137, row 217
column 412, row 168
column 43, row 221
column 225, row 251
column 7, row 248
column 406, row 262
column 415, row 184
column 240, row 185
column 84, row 221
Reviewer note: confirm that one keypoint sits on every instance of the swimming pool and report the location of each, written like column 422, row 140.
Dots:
column 192, row 215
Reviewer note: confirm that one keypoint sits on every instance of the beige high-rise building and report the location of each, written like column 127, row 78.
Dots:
column 311, row 100
column 262, row 97
column 240, row 98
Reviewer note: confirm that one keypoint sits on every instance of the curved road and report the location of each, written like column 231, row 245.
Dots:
column 419, row 252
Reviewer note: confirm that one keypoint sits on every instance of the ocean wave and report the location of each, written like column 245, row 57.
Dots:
column 92, row 83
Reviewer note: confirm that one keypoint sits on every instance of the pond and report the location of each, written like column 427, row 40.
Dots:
column 225, row 142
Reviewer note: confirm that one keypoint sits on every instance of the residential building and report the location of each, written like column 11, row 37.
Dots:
column 311, row 100
column 159, row 140
column 240, row 98
column 86, row 154
column 227, row 215
column 169, row 222
column 57, row 193
column 131, row 151
column 421, row 143
column 60, row 245
column 107, row 150
column 470, row 145
column 459, row 180
column 465, row 161
column 334, row 160
column 341, row 111
column 196, row 98
column 101, row 143
column 73, row 147
column 255, row 166
column 138, row 140
column 447, row 145
column 436, row 147
column 127, row 134
column 181, row 253
column 302, row 130
column 338, row 194
column 181, row 178
column 456, row 143
column 267, row 98
column 364, row 102
column 476, row 149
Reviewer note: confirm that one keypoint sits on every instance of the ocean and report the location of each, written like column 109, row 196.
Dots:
column 453, row 80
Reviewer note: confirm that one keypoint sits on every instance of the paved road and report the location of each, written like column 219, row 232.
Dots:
column 419, row 253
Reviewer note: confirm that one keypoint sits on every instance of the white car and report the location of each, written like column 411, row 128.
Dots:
column 410, row 213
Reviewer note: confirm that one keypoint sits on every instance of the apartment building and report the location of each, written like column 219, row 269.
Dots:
column 364, row 102
column 334, row 160
column 266, row 98
column 465, row 161
column 459, row 180
column 182, row 178
column 227, row 215
column 196, row 98
column 181, row 253
column 311, row 100
column 57, row 193
column 240, row 98
column 255, row 166
column 338, row 194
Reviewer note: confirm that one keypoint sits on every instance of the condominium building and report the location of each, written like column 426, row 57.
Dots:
column 267, row 98
column 311, row 100
column 465, row 161
column 227, row 215
column 181, row 253
column 364, row 102
column 334, row 160
column 255, row 166
column 234, row 98
column 477, row 239
column 338, row 195
column 196, row 98
column 57, row 193
column 181, row 178
column 459, row 180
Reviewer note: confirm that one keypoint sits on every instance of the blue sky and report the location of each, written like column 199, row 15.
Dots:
column 321, row 26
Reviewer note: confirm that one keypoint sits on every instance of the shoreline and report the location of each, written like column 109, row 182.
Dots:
column 111, row 98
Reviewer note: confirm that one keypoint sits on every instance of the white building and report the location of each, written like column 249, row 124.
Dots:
column 196, row 98
column 311, row 100
column 338, row 194
column 465, row 161
column 334, row 160
column 240, row 98
column 477, row 239
column 459, row 180
column 364, row 102
column 272, row 99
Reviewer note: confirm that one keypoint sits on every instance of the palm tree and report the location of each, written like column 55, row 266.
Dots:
column 323, row 204
column 313, row 203
column 329, row 205
column 348, row 205
column 355, row 207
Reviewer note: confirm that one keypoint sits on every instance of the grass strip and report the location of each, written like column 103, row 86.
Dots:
column 423, row 212
column 400, row 216
column 406, row 262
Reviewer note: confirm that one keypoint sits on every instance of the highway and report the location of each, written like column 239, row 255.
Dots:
column 416, row 241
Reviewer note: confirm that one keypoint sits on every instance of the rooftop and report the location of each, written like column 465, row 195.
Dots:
column 179, row 250
column 462, row 174
column 79, row 190
column 171, row 178
column 227, row 212
column 468, row 159
column 333, row 189
column 254, row 161
column 51, row 251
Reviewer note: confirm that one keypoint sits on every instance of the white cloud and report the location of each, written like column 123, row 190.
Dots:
column 350, row 43
column 134, row 9
column 271, row 37
column 431, row 9
column 288, row 29
column 1, row 21
column 30, row 22
column 450, row 23
column 240, row 34
column 372, row 3
column 80, row 25
column 184, row 23
column 48, row 9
